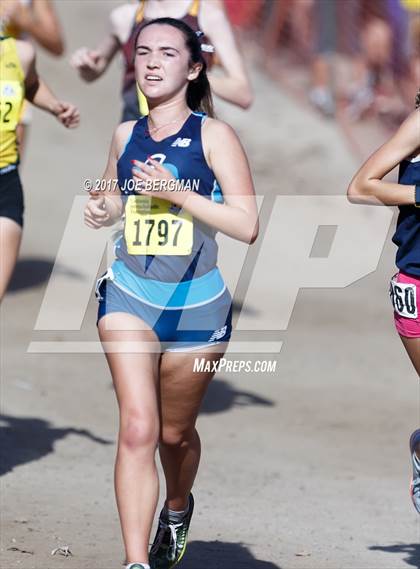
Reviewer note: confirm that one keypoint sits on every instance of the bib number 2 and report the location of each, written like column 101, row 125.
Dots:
column 152, row 229
column 404, row 298
column 11, row 97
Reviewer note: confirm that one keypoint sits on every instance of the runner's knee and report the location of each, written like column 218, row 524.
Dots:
column 176, row 436
column 138, row 431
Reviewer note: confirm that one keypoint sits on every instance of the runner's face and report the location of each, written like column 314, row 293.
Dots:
column 162, row 62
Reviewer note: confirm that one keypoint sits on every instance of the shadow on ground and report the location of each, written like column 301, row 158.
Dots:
column 33, row 272
column 27, row 439
column 411, row 549
column 222, row 396
column 222, row 555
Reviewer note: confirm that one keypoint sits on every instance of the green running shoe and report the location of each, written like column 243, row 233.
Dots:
column 170, row 541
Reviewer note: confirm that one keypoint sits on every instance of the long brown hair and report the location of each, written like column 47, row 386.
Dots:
column 199, row 96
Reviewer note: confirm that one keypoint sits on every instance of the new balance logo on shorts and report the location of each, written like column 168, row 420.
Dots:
column 217, row 334
column 182, row 142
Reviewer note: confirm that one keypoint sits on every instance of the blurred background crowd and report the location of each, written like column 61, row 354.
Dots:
column 356, row 57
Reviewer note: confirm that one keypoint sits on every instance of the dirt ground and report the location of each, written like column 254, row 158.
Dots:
column 304, row 468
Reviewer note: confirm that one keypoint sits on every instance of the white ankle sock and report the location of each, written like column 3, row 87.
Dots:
column 136, row 565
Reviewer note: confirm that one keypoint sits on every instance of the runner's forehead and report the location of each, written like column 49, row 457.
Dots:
column 159, row 36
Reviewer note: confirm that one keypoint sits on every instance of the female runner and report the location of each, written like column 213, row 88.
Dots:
column 125, row 21
column 164, row 298
column 19, row 81
column 31, row 20
column 368, row 187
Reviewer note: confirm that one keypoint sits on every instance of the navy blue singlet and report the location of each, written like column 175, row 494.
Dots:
column 407, row 234
column 182, row 154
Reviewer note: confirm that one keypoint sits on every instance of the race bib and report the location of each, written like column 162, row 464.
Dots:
column 404, row 299
column 11, row 97
column 151, row 228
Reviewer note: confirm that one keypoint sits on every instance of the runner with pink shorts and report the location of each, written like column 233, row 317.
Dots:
column 405, row 296
column 368, row 187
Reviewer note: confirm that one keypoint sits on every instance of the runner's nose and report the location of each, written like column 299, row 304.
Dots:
column 153, row 61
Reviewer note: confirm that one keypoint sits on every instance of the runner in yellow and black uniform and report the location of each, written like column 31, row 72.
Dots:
column 31, row 20
column 18, row 81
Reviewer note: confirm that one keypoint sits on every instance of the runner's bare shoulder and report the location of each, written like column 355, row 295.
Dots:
column 217, row 130
column 413, row 125
column 121, row 21
column 215, row 133
column 408, row 135
column 122, row 135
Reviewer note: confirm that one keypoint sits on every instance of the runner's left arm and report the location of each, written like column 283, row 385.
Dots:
column 232, row 84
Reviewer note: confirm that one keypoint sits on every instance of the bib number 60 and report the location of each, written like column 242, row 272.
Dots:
column 404, row 298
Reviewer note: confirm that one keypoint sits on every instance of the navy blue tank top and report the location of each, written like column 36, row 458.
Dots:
column 182, row 154
column 407, row 235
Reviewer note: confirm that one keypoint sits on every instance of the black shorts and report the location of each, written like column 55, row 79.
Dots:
column 11, row 196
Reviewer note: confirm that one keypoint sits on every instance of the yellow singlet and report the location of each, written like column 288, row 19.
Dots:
column 12, row 94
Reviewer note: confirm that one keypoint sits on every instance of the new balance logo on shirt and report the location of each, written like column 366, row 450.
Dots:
column 182, row 142
column 217, row 334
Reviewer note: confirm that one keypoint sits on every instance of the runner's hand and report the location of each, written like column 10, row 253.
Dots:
column 67, row 114
column 95, row 213
column 88, row 62
column 164, row 181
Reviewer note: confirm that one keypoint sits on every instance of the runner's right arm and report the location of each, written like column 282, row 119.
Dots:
column 92, row 63
column 368, row 187
column 105, row 208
